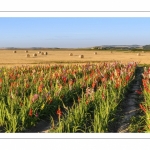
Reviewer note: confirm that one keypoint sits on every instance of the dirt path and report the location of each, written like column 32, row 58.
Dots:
column 41, row 127
column 130, row 105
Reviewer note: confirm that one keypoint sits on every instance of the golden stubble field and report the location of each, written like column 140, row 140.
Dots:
column 8, row 58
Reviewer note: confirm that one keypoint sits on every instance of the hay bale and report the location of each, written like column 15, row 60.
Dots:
column 138, row 54
column 81, row 56
column 39, row 52
column 46, row 53
column 143, row 51
column 34, row 55
column 95, row 53
column 111, row 52
column 14, row 52
column 26, row 51
column 28, row 55
column 42, row 53
column 70, row 54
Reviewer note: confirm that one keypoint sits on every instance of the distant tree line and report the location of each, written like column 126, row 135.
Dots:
column 111, row 48
column 146, row 47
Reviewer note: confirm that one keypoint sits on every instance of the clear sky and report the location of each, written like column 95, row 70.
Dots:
column 73, row 32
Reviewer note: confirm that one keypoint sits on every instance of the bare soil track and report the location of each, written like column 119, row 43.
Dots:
column 129, row 107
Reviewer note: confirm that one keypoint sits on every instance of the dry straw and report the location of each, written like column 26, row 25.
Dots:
column 81, row 56
column 46, row 53
column 34, row 55
column 28, row 55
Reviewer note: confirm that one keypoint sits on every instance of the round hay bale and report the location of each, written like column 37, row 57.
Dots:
column 111, row 52
column 42, row 53
column 81, row 56
column 26, row 51
column 28, row 55
column 14, row 52
column 138, row 54
column 143, row 51
column 70, row 54
column 39, row 52
column 46, row 53
column 34, row 55
column 95, row 53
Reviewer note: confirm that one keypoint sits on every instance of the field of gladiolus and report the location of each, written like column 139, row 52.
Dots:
column 74, row 98
column 145, row 104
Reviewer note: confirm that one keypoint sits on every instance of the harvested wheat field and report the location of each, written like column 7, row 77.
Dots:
column 21, row 57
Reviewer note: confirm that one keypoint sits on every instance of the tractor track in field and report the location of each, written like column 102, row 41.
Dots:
column 41, row 127
column 130, row 104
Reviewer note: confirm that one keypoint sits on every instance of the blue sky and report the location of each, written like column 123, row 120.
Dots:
column 73, row 32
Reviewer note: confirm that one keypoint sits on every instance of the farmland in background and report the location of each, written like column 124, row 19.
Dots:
column 8, row 58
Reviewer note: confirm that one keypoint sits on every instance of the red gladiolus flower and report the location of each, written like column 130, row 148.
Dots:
column 41, row 79
column 1, row 80
column 27, row 85
column 87, row 102
column 85, row 78
column 93, row 85
column 59, row 112
column 40, row 88
column 144, row 82
column 30, row 112
column 64, row 79
column 127, row 78
column 143, row 108
column 103, row 79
